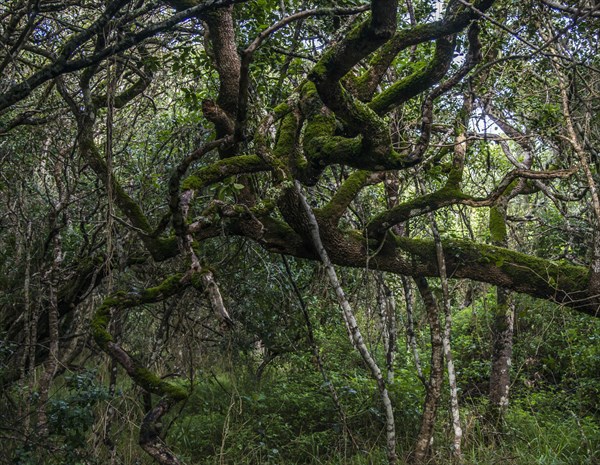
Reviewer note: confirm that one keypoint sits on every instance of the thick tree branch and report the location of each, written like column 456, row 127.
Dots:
column 62, row 64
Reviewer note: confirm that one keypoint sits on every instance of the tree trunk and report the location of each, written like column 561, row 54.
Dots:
column 454, row 408
column 150, row 439
column 351, row 323
column 436, row 374
column 502, row 327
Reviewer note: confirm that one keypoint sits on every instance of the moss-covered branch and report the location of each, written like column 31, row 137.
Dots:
column 415, row 207
column 419, row 81
column 359, row 43
column 100, row 331
column 344, row 196
column 451, row 194
column 372, row 150
column 456, row 19
column 175, row 195
column 219, row 170
column 555, row 281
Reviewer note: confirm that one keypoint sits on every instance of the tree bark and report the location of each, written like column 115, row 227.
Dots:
column 350, row 320
column 454, row 408
column 150, row 439
column 502, row 327
column 436, row 374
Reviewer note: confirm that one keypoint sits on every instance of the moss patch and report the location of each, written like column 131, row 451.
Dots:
column 498, row 232
column 222, row 169
column 345, row 195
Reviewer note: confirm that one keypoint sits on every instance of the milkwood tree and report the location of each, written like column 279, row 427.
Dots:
column 409, row 107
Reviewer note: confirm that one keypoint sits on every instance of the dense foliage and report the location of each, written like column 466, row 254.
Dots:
column 299, row 232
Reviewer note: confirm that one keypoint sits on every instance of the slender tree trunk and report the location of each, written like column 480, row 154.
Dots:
column 502, row 343
column 502, row 327
column 454, row 408
column 387, row 315
column 27, row 302
column 436, row 374
column 33, row 314
column 350, row 320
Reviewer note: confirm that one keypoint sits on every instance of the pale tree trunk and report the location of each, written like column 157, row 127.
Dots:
column 382, row 305
column 350, row 320
column 436, row 374
column 502, row 337
column 454, row 180
column 502, row 327
column 454, row 408
column 392, row 188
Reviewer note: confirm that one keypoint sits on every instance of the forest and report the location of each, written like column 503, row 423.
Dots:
column 299, row 232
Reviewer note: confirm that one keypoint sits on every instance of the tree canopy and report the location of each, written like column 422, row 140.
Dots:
column 146, row 147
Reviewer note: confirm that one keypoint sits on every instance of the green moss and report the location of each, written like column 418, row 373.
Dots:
column 153, row 383
column 402, row 39
column 329, row 59
column 287, row 135
column 319, row 125
column 454, row 178
column 101, row 320
column 526, row 269
column 320, row 122
column 324, row 151
column 319, row 71
column 345, row 194
column 168, row 287
column 221, row 169
column 497, row 223
column 308, row 93
column 281, row 110
column 197, row 281
column 286, row 151
column 534, row 275
column 99, row 326
column 421, row 79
